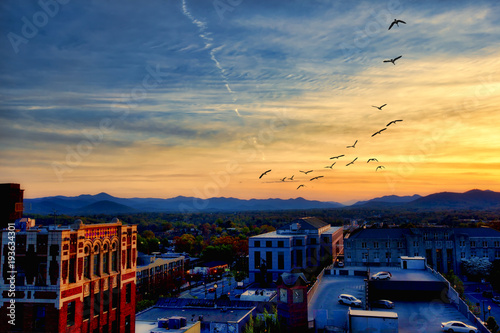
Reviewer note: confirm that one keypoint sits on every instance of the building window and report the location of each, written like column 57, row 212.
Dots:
column 128, row 293
column 446, row 236
column 281, row 260
column 281, row 244
column 426, row 236
column 462, row 255
column 97, row 304
column 96, row 264
column 400, row 245
column 435, row 235
column 473, row 253
column 269, row 243
column 462, row 243
column 348, row 256
column 485, row 243
column 86, row 307
column 105, row 301
column 497, row 254
column 86, row 266
column 375, row 245
column 129, row 258
column 114, row 261
column 363, row 245
column 497, row 243
column 449, row 244
column 256, row 243
column 387, row 244
column 116, row 297
column 269, row 260
column 415, row 244
column 313, row 241
column 415, row 254
column 365, row 255
column 375, row 255
column 439, row 244
column 72, row 270
column 105, row 262
column 485, row 254
column 388, row 256
column 298, row 242
column 472, row 243
column 256, row 256
column 70, row 315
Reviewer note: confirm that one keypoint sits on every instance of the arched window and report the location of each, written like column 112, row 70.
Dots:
column 105, row 258
column 86, row 263
column 114, row 257
column 97, row 261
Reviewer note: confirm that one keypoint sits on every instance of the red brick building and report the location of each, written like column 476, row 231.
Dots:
column 69, row 279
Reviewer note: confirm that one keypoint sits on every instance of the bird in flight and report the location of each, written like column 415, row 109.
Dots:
column 306, row 172
column 301, row 185
column 264, row 173
column 394, row 121
column 336, row 157
column 330, row 166
column 283, row 179
column 353, row 146
column 396, row 22
column 291, row 178
column 379, row 107
column 383, row 129
column 372, row 159
column 380, row 167
column 393, row 60
column 352, row 162
column 317, row 177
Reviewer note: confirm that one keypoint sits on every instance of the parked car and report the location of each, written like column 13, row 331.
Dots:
column 383, row 303
column 458, row 326
column 340, row 263
column 382, row 276
column 349, row 300
column 496, row 299
column 211, row 290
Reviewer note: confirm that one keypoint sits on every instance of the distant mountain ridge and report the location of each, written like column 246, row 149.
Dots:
column 104, row 203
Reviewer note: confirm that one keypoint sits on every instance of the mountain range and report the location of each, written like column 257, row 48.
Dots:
column 104, row 203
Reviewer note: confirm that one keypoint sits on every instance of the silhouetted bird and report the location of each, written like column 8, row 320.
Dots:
column 372, row 159
column 301, row 185
column 379, row 107
column 396, row 22
column 283, row 179
column 353, row 146
column 336, row 157
column 306, row 172
column 351, row 162
column 393, row 60
column 383, row 129
column 380, row 167
column 330, row 166
column 264, row 173
column 317, row 177
column 394, row 121
column 291, row 178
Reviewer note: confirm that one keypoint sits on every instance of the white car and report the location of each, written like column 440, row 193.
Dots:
column 349, row 300
column 382, row 276
column 458, row 326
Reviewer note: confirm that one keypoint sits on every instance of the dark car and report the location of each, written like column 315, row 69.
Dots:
column 383, row 303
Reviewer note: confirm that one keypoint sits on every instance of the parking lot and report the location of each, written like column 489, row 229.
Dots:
column 413, row 316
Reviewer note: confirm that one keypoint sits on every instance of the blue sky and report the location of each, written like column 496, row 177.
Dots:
column 198, row 98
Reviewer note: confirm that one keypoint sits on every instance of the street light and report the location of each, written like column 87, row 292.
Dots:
column 215, row 287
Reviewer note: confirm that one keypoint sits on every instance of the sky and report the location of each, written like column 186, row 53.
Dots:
column 198, row 98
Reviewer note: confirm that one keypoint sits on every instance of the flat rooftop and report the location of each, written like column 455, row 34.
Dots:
column 192, row 314
column 398, row 274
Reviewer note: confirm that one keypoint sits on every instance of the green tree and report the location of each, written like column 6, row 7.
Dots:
column 492, row 325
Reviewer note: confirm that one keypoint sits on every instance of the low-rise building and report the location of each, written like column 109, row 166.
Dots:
column 443, row 248
column 306, row 244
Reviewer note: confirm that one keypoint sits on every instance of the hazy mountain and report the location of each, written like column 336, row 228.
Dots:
column 388, row 200
column 104, row 203
column 473, row 200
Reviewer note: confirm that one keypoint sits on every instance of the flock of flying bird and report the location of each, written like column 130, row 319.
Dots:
column 393, row 61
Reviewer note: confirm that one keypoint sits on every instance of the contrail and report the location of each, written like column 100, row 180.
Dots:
column 208, row 45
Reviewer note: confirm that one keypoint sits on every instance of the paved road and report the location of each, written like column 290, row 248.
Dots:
column 477, row 297
column 224, row 286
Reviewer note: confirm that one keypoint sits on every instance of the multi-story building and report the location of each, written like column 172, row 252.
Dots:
column 158, row 274
column 306, row 244
column 79, row 278
column 443, row 248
